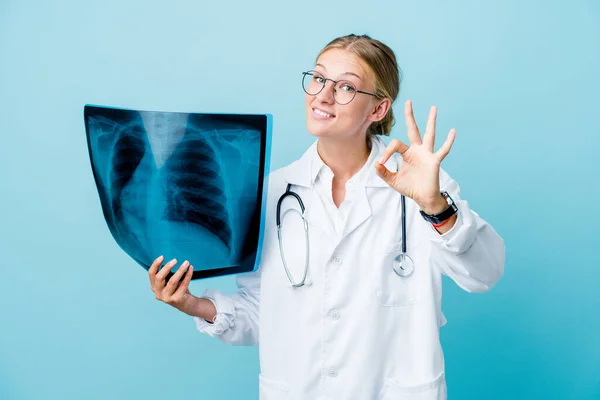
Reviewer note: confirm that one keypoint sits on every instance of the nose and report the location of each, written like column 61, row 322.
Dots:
column 326, row 95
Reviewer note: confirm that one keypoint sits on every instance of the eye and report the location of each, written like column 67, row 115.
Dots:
column 318, row 78
column 347, row 87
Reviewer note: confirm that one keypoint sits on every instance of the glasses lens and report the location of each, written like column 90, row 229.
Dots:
column 344, row 92
column 312, row 83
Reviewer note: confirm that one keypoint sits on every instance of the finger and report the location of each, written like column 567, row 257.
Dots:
column 183, row 286
column 429, row 138
column 154, row 269
column 413, row 131
column 385, row 174
column 445, row 149
column 174, row 280
column 162, row 274
column 395, row 146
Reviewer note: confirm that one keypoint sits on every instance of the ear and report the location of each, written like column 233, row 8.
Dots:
column 380, row 110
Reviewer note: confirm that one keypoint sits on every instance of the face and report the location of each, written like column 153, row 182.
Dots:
column 324, row 116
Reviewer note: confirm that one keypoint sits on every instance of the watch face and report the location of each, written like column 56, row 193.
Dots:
column 448, row 198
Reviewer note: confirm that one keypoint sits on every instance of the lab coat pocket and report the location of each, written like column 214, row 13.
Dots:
column 434, row 390
column 271, row 389
column 393, row 290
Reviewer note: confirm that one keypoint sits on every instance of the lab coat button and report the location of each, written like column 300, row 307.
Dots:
column 335, row 314
column 337, row 260
column 332, row 372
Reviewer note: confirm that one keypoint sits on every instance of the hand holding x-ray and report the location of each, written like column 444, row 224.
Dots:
column 175, row 291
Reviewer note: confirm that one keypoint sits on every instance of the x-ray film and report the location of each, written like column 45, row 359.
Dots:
column 190, row 186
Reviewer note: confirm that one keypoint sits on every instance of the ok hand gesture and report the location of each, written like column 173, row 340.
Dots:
column 419, row 174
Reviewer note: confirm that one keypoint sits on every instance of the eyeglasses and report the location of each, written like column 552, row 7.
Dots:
column 343, row 91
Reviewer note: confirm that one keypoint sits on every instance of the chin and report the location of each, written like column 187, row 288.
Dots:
column 317, row 130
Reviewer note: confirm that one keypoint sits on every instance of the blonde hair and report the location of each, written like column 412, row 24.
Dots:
column 382, row 62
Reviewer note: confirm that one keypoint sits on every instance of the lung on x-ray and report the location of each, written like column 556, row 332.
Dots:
column 190, row 186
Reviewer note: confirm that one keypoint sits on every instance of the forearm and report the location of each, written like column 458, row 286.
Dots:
column 473, row 255
column 471, row 252
column 199, row 307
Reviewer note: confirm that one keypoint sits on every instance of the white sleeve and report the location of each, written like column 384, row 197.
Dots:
column 236, row 322
column 471, row 253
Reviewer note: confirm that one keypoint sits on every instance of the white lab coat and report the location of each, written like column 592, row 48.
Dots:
column 357, row 330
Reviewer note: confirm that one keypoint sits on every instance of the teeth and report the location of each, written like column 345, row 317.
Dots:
column 322, row 113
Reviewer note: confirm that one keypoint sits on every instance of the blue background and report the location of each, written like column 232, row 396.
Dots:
column 518, row 81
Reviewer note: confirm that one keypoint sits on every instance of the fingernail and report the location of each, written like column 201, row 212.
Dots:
column 173, row 261
column 185, row 264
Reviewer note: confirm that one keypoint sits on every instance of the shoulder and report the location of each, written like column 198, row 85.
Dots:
column 278, row 179
column 297, row 171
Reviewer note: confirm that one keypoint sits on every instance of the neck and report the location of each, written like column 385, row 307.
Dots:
column 345, row 156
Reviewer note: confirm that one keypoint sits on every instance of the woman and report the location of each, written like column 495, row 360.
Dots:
column 358, row 326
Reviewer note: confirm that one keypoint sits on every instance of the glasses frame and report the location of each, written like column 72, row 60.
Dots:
column 312, row 72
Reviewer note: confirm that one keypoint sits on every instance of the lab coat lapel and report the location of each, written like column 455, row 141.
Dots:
column 363, row 208
column 299, row 174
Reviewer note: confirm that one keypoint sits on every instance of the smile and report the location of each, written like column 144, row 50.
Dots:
column 322, row 114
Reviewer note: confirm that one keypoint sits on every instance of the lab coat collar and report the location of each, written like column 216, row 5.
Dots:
column 305, row 170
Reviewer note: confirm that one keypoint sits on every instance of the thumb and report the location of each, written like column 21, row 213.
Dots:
column 384, row 173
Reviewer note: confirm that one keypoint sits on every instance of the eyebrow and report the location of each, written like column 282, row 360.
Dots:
column 345, row 73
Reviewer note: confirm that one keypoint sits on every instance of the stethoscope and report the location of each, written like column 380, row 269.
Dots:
column 403, row 265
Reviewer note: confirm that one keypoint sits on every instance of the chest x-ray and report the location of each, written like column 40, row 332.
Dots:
column 190, row 186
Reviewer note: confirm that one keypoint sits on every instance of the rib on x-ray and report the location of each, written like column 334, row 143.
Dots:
column 190, row 186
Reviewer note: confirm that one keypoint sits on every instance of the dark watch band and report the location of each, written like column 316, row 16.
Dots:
column 444, row 215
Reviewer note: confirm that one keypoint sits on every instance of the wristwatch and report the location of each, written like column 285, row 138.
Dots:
column 444, row 215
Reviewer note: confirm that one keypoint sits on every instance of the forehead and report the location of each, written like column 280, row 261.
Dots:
column 337, row 63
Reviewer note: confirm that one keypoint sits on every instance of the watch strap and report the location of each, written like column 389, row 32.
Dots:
column 444, row 215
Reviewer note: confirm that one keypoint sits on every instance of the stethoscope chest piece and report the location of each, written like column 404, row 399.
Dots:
column 403, row 265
